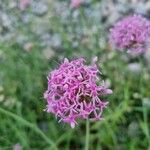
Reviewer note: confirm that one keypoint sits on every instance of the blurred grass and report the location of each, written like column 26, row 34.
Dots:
column 126, row 123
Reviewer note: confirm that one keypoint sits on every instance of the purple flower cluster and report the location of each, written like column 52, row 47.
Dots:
column 73, row 92
column 132, row 34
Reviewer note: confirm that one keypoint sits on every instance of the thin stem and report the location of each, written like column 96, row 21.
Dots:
column 87, row 135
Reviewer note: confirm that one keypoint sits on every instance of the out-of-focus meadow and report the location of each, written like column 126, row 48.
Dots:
column 35, row 40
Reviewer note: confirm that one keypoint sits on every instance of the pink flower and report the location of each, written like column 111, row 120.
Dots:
column 76, row 3
column 17, row 147
column 24, row 4
column 73, row 92
column 132, row 34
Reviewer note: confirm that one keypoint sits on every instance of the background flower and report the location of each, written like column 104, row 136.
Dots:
column 24, row 4
column 76, row 3
column 131, row 34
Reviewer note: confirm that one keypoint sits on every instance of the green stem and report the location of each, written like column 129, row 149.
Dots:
column 87, row 135
column 30, row 125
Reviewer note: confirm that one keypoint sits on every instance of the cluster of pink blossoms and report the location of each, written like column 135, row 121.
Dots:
column 73, row 92
column 132, row 34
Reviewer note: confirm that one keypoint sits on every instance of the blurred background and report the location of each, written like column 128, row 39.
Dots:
column 35, row 36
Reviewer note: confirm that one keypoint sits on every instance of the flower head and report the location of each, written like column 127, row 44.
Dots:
column 73, row 92
column 24, row 4
column 17, row 147
column 132, row 33
column 76, row 3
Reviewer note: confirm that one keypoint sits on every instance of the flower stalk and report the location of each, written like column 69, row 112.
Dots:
column 87, row 135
